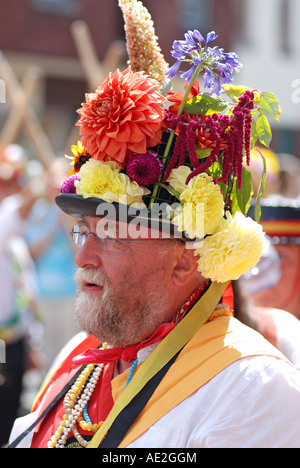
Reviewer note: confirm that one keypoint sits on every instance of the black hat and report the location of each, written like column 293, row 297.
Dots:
column 280, row 219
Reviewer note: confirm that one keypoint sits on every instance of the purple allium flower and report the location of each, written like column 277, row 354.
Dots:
column 144, row 169
column 217, row 65
column 68, row 186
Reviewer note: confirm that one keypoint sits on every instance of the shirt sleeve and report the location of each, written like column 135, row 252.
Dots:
column 253, row 403
column 257, row 406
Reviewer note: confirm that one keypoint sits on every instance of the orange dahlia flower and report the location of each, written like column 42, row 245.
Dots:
column 123, row 116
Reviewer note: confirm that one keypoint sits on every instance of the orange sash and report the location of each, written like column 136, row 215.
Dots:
column 214, row 347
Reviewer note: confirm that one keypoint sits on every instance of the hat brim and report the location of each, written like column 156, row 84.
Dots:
column 79, row 207
column 277, row 209
column 280, row 218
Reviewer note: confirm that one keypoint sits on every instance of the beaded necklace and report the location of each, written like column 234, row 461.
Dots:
column 77, row 398
column 76, row 405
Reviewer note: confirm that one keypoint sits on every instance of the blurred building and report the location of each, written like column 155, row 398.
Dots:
column 269, row 48
column 39, row 32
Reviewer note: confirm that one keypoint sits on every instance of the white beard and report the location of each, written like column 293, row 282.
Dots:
column 120, row 316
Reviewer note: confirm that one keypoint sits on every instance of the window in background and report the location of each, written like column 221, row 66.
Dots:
column 57, row 7
column 284, row 26
column 196, row 14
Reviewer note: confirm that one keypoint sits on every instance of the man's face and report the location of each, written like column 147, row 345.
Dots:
column 122, row 294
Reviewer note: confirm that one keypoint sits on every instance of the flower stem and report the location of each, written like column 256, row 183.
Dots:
column 171, row 137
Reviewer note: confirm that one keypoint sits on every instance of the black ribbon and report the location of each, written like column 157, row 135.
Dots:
column 126, row 418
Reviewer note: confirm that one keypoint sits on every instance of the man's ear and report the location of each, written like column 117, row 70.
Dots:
column 185, row 268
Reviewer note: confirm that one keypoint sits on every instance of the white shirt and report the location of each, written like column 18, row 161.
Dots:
column 254, row 402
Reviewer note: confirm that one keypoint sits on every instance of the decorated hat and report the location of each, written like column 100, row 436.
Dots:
column 280, row 219
column 178, row 158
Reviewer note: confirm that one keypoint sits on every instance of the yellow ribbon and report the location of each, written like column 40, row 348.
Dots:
column 166, row 349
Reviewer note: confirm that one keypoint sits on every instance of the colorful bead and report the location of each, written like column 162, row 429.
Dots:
column 74, row 403
column 76, row 406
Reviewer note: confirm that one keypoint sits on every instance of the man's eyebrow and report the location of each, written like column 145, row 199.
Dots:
column 83, row 220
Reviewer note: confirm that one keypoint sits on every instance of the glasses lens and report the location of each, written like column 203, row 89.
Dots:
column 79, row 233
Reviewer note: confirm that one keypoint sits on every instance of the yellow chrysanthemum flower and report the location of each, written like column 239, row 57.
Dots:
column 201, row 207
column 235, row 248
column 134, row 192
column 103, row 180
column 99, row 179
column 178, row 177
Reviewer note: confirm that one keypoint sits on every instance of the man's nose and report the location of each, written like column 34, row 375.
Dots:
column 89, row 254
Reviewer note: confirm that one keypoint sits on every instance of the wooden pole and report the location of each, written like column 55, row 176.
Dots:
column 14, row 120
column 94, row 70
column 32, row 125
column 87, row 54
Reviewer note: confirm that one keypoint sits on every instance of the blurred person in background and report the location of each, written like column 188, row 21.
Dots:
column 280, row 219
column 20, row 326
column 273, row 170
column 47, row 235
column 279, row 327
column 289, row 175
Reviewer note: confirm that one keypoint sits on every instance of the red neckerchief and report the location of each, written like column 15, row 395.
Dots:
column 102, row 392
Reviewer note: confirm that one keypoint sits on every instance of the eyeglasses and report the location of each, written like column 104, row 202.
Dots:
column 80, row 233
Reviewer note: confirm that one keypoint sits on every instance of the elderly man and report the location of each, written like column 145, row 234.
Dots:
column 126, row 290
column 163, row 362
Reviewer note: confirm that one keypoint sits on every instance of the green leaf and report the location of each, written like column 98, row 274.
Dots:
column 203, row 152
column 215, row 170
column 257, row 208
column 263, row 130
column 244, row 195
column 223, row 188
column 241, row 199
column 269, row 105
column 205, row 104
column 170, row 189
column 234, row 201
column 253, row 137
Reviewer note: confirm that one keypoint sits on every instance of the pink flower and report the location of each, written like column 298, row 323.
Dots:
column 68, row 186
column 123, row 116
column 144, row 169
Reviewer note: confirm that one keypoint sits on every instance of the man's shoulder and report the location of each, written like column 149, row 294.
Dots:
column 227, row 336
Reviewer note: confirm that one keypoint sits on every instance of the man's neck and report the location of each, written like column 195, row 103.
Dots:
column 122, row 365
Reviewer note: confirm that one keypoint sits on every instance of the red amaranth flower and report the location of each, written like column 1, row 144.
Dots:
column 241, row 125
column 248, row 123
column 179, row 151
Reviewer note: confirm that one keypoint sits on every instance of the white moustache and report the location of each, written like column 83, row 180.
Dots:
column 91, row 276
